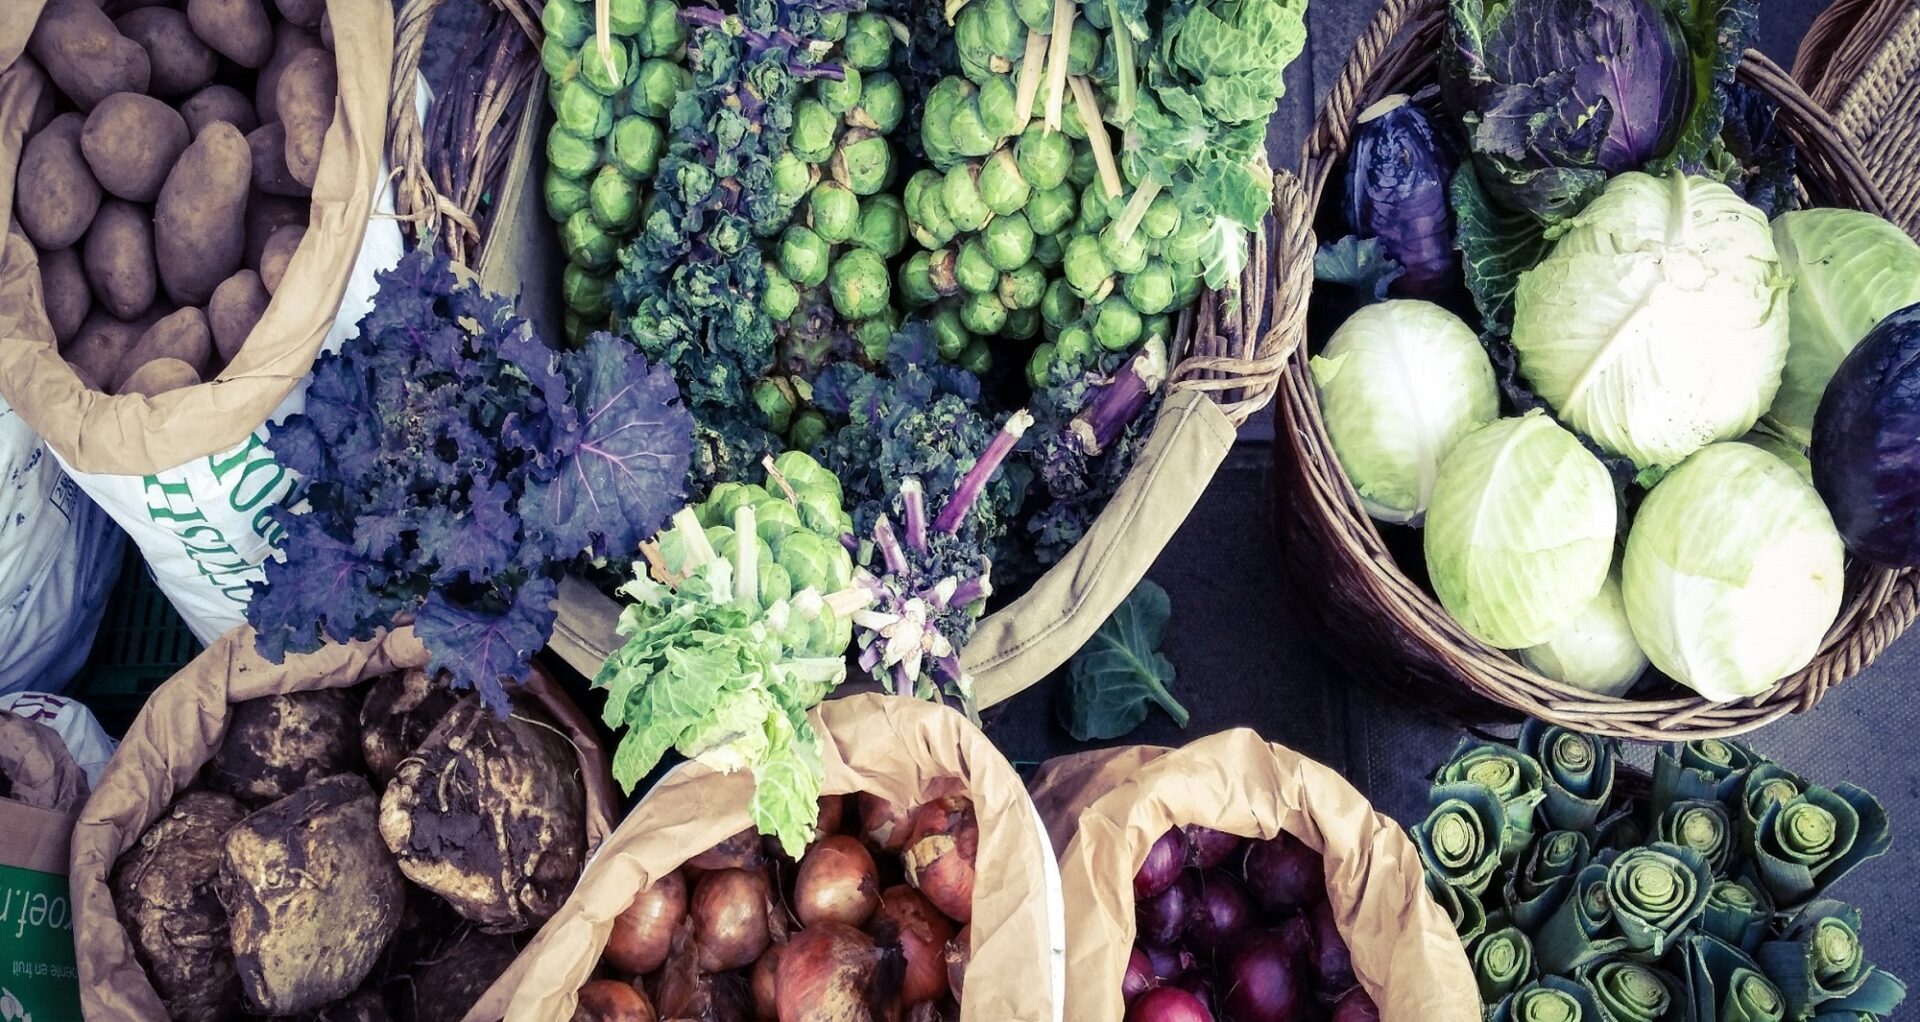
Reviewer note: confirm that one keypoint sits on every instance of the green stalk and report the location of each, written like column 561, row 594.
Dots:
column 746, row 556
column 1123, row 69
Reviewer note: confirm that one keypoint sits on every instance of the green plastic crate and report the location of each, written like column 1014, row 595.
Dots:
column 142, row 642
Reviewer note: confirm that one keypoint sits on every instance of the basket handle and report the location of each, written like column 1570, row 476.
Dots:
column 417, row 203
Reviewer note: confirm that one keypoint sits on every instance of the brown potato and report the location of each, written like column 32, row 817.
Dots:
column 289, row 41
column 266, row 214
column 119, row 258
column 159, row 376
column 199, row 228
column 305, row 105
column 305, row 13
column 63, row 288
column 131, row 142
column 85, row 54
column 268, row 144
column 239, row 29
column 181, row 63
column 218, row 103
column 116, row 8
column 326, row 31
column 182, row 335
column 47, row 98
column 237, row 304
column 101, row 344
column 278, row 253
column 55, row 190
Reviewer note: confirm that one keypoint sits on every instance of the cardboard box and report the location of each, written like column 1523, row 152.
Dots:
column 38, row 979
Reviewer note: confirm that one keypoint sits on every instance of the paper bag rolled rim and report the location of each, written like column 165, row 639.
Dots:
column 134, row 435
column 176, row 734
column 1404, row 948
column 904, row 750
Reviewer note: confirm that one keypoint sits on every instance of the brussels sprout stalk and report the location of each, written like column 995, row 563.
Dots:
column 758, row 39
column 976, row 478
column 1097, row 138
column 1136, row 210
column 1032, row 67
column 1104, row 418
column 1123, row 69
column 1057, row 60
column 746, row 556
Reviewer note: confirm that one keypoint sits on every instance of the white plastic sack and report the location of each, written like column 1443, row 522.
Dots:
column 89, row 743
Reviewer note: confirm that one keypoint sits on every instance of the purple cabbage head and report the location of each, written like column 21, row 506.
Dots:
column 1398, row 171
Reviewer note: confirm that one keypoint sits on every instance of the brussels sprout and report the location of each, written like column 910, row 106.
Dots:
column 656, row 86
column 725, row 499
column 1022, row 324
column 1163, row 217
column 585, row 243
column 1001, row 186
column 1039, row 365
column 832, row 27
column 1084, row 169
column 1009, row 243
column 792, row 179
column 610, row 73
column 971, row 137
column 1151, row 290
column 1050, row 210
column 729, row 235
column 776, row 403
column 983, row 314
column 875, row 336
column 833, row 211
column 803, row 256
column 1023, row 287
column 556, row 58
column 1037, row 15
column 774, row 520
column 814, row 127
column 976, row 357
column 1160, row 326
column 1186, row 287
column 839, row 96
column 883, row 226
column 1129, row 256
column 585, row 292
column 815, row 561
column 635, row 146
column 581, row 111
column 926, row 210
column 1086, row 267
column 1043, row 158
column 943, row 272
column 1187, row 242
column 960, row 192
column 1083, row 47
column 570, row 23
column 1071, row 126
column 883, row 104
column 627, row 17
column 1095, row 210
column 916, row 281
column 948, row 335
column 974, row 268
column 779, row 299
column 1047, row 250
column 859, row 284
column 1059, row 305
column 936, row 120
column 808, row 476
column 868, row 45
column 864, row 161
column 1075, row 347
column 999, row 107
column 1116, row 325
column 565, row 195
column 665, row 32
column 612, row 200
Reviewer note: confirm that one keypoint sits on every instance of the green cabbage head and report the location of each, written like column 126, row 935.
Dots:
column 1597, row 652
column 1658, row 323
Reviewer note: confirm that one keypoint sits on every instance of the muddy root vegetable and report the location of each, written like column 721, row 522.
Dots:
column 609, row 1000
column 940, row 859
column 884, row 823
column 642, row 935
column 909, row 921
column 835, row 973
column 838, row 883
column 729, row 913
column 277, row 744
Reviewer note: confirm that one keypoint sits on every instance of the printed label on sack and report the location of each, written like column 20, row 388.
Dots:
column 38, row 979
column 226, row 532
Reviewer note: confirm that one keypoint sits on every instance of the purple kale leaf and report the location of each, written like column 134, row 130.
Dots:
column 468, row 642
column 331, row 593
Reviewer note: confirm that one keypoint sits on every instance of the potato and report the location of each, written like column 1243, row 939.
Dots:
column 305, row 13
column 181, row 63
column 326, row 31
column 158, row 377
column 199, row 230
column 63, row 288
column 237, row 304
column 55, row 190
column 289, row 41
column 268, row 213
column 239, row 29
column 101, row 344
column 181, row 336
column 268, row 145
column 119, row 259
column 46, row 101
column 279, row 253
column 85, row 54
column 218, row 103
column 131, row 142
column 304, row 101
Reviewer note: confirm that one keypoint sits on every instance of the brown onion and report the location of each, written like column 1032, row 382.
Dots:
column 833, row 814
column 729, row 914
column 835, row 973
column 680, row 990
column 909, row 920
column 741, row 851
column 765, row 1008
column 643, row 934
column 608, row 1000
column 885, row 824
column 958, row 955
column 838, row 883
column 940, row 862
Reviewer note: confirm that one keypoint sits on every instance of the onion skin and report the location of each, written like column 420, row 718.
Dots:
column 1296, row 934
column 838, row 883
column 609, row 1000
column 1355, row 1006
column 1332, row 964
column 940, row 862
column 1208, row 848
column 741, row 851
column 1284, row 875
column 1264, row 981
column 1168, row 964
column 761, row 982
column 1220, row 914
column 729, row 913
column 1168, row 1004
column 958, row 955
column 1162, row 919
column 1162, row 865
column 643, row 934
column 835, row 973
column 909, row 921
column 833, row 815
column 1139, row 977
column 887, row 826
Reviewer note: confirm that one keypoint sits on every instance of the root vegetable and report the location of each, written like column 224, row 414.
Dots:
column 885, row 824
column 218, row 103
column 289, row 41
column 277, row 744
column 85, row 54
column 101, row 345
column 1264, row 982
column 456, row 978
column 236, row 306
column 265, row 215
column 609, row 1000
column 1332, row 963
column 1139, row 977
column 835, row 973
column 181, row 336
column 1221, row 913
column 55, row 190
column 119, row 259
column 164, row 889
column 833, row 814
column 198, row 227
column 305, row 13
column 1162, row 865
column 1284, row 875
column 909, row 921
column 1208, row 848
column 239, row 29
column 940, row 858
column 1168, row 1004
column 131, row 142
column 1355, row 1006
column 741, row 851
column 267, row 147
column 304, row 100
column 159, row 377
column 838, row 882
column 180, row 63
column 729, row 912
column 63, row 288
column 762, row 981
column 402, row 708
column 278, row 255
column 642, row 935
column 1162, row 919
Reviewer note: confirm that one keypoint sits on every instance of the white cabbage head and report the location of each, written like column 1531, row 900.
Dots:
column 1597, row 652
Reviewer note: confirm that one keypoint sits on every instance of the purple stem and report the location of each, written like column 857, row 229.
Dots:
column 977, row 477
column 1118, row 403
column 889, row 545
column 967, row 591
column 851, row 542
column 757, row 40
column 915, row 500
column 947, row 668
column 902, row 681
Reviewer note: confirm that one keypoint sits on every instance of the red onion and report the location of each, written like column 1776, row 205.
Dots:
column 1168, row 964
column 1162, row 865
column 1284, row 875
column 1221, row 913
column 1355, row 1006
column 1208, row 848
column 1168, row 1004
column 1332, row 965
column 1200, row 985
column 1264, row 982
column 1162, row 919
column 1139, row 978
column 1297, row 934
column 958, row 955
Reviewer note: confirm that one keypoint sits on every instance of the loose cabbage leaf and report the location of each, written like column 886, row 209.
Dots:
column 1753, row 156
column 1359, row 264
column 1120, row 673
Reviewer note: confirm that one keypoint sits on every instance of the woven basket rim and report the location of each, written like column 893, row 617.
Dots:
column 1879, row 604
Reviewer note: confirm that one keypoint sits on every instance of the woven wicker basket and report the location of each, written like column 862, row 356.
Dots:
column 1861, row 61
column 1385, row 626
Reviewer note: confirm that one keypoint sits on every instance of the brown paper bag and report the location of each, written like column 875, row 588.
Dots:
column 175, row 735
column 1105, row 809
column 904, row 750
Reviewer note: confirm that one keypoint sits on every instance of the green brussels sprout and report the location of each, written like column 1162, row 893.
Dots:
column 863, row 162
column 1160, row 326
column 976, row 357
column 1039, row 364
column 999, row 107
column 1186, row 287
column 581, row 111
column 803, row 256
column 774, row 583
column 839, row 95
column 1096, row 211
column 875, row 335
column 1070, row 123
column 775, row 401
column 974, row 269
column 720, row 505
column 1022, row 324
column 814, row 561
column 1075, row 346
column 665, row 32
column 833, row 211
column 1048, row 250
column 1084, row 170
column 569, row 22
column 1009, row 243
column 565, row 195
column 936, row 120
column 635, row 146
column 983, row 315
column 585, row 243
column 1043, row 158
column 792, row 178
column 969, row 134
column 1116, row 325
column 1129, row 256
column 883, row 226
column 606, row 73
column 1083, row 47
column 882, row 104
column 1001, row 186
column 1052, row 209
column 1037, row 15
column 774, row 519
column 613, row 201
column 1188, row 241
column 814, row 127
column 807, row 475
column 868, row 45
column 556, row 57
column 960, row 192
column 943, row 272
column 627, row 17
column 832, row 27
column 1151, row 290
column 1086, row 267
column 809, row 428
column 656, row 86
column 1059, row 305
column 916, row 281
column 1023, row 287
column 926, row 210
column 585, row 292
column 779, row 299
column 1163, row 217
column 859, row 284
column 949, row 336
